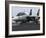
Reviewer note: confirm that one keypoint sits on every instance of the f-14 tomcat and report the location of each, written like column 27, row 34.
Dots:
column 23, row 18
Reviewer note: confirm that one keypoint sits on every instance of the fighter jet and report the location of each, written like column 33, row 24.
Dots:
column 23, row 18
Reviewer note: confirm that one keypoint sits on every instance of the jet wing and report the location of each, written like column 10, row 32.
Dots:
column 33, row 16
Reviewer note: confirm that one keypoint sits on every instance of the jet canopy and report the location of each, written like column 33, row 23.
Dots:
column 20, row 14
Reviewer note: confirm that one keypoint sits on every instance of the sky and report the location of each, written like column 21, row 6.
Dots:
column 16, row 10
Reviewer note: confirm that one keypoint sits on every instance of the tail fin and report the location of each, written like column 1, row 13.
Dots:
column 30, row 12
column 38, row 12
